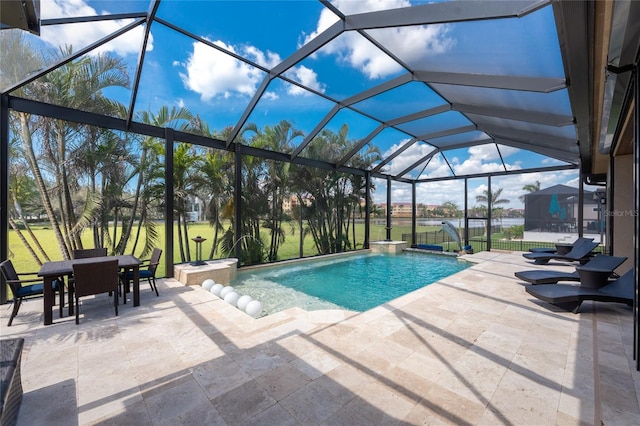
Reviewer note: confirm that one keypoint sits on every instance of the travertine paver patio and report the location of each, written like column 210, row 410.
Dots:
column 473, row 348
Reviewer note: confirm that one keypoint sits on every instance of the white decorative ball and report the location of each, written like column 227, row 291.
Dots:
column 232, row 298
column 225, row 290
column 244, row 301
column 216, row 289
column 254, row 308
column 207, row 284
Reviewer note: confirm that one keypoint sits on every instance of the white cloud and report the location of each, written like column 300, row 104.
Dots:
column 414, row 153
column 267, row 60
column 272, row 96
column 82, row 35
column 305, row 76
column 408, row 43
column 485, row 152
column 212, row 73
column 473, row 166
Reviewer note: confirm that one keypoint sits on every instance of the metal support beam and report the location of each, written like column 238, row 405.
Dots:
column 249, row 109
column 388, row 228
column 312, row 134
column 83, row 19
column 636, row 202
column 441, row 13
column 489, row 197
column 237, row 197
column 381, row 88
column 502, row 173
column 394, row 155
column 413, row 214
column 581, row 205
column 312, row 46
column 367, row 211
column 153, row 8
column 466, row 212
column 168, row 200
column 4, row 189
column 508, row 82
column 31, row 77
column 357, row 147
column 420, row 114
column 610, row 206
column 537, row 117
column 417, row 163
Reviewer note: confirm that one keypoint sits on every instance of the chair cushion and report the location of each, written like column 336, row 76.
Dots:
column 145, row 273
column 34, row 289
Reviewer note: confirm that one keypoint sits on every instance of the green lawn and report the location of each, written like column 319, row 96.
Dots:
column 23, row 261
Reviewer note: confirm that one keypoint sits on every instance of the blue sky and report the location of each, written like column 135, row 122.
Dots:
column 183, row 72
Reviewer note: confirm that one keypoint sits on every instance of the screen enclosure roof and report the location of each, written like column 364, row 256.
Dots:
column 440, row 90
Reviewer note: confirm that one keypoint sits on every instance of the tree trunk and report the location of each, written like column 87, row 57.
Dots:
column 28, row 229
column 27, row 145
column 182, row 257
column 15, row 227
column 136, row 198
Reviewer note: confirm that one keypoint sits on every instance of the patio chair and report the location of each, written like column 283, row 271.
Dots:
column 83, row 254
column 579, row 253
column 560, row 248
column 570, row 296
column 34, row 287
column 601, row 263
column 87, row 253
column 149, row 273
column 96, row 278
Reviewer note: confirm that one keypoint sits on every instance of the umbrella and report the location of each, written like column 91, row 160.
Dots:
column 554, row 206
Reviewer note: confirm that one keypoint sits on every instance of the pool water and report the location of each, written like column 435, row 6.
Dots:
column 356, row 283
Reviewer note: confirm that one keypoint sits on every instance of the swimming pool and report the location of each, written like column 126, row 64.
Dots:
column 354, row 282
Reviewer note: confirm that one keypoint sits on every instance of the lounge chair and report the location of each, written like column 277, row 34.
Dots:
column 570, row 296
column 602, row 263
column 580, row 252
column 560, row 248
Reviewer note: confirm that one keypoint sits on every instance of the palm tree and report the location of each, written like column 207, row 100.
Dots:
column 278, row 138
column 78, row 84
column 451, row 207
column 495, row 201
column 333, row 195
column 495, row 198
column 530, row 187
column 149, row 172
column 187, row 180
column 217, row 191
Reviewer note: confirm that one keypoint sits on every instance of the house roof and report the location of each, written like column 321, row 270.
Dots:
column 559, row 190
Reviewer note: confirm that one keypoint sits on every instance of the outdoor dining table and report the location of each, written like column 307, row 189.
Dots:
column 51, row 270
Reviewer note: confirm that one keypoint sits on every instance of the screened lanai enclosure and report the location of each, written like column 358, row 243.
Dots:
column 255, row 124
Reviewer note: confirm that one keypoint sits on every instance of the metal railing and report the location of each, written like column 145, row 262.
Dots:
column 479, row 242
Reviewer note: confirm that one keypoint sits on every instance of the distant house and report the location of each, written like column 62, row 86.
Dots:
column 555, row 209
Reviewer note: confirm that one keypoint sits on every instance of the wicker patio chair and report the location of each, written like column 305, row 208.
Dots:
column 95, row 278
column 87, row 253
column 33, row 287
column 149, row 273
